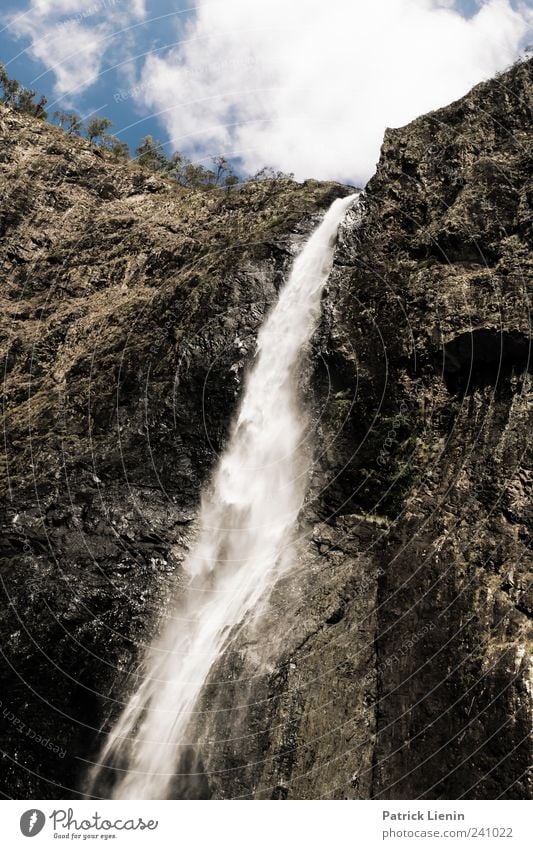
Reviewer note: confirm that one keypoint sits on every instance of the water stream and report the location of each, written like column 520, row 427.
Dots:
column 247, row 519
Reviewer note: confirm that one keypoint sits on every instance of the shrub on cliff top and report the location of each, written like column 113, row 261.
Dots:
column 14, row 94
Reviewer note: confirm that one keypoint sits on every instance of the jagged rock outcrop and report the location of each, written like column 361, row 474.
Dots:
column 393, row 661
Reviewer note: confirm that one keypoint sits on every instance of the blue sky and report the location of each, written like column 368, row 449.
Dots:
column 307, row 87
column 156, row 33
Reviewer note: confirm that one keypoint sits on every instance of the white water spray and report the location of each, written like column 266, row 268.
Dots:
column 247, row 519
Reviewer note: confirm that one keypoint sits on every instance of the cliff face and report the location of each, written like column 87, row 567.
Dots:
column 393, row 661
column 430, row 312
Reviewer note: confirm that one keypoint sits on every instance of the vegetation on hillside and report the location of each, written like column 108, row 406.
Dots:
column 149, row 154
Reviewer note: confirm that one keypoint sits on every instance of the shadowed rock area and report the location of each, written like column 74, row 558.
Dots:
column 395, row 660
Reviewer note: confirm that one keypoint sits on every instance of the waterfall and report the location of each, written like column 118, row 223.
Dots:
column 246, row 525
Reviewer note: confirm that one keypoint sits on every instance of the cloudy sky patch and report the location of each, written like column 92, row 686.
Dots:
column 305, row 86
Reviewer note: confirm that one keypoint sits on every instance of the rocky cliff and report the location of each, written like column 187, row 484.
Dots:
column 394, row 661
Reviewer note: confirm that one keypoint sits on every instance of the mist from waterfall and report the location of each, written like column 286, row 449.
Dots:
column 245, row 542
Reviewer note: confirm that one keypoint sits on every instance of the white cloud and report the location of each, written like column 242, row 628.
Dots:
column 309, row 86
column 72, row 37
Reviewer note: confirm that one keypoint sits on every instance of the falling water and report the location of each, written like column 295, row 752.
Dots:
column 247, row 519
